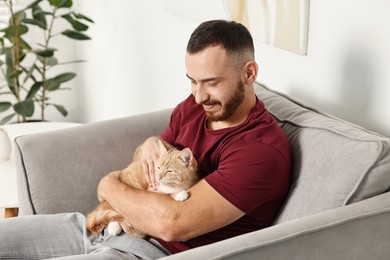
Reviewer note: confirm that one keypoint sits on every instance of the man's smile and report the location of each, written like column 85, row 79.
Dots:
column 210, row 105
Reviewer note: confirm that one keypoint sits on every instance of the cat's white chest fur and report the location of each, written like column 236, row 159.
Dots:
column 180, row 196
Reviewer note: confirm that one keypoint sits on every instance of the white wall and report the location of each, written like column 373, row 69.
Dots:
column 346, row 70
column 136, row 60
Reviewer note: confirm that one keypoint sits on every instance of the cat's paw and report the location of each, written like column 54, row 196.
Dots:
column 114, row 228
column 180, row 196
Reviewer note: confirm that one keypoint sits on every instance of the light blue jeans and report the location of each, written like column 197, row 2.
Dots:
column 64, row 236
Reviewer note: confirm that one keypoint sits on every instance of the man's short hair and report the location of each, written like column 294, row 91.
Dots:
column 234, row 37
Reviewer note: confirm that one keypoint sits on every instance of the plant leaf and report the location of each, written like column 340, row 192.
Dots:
column 19, row 15
column 34, row 89
column 78, row 26
column 14, row 30
column 38, row 15
column 32, row 4
column 43, row 12
column 22, row 56
column 24, row 44
column 65, row 77
column 25, row 108
column 75, row 35
column 54, row 83
column 61, row 3
column 7, row 118
column 61, row 109
column 81, row 16
column 44, row 53
column 10, row 71
column 29, row 73
column 8, row 57
column 52, row 61
column 4, row 106
column 51, row 85
column 35, row 22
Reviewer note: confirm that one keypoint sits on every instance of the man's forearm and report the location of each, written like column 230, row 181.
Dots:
column 160, row 216
column 152, row 213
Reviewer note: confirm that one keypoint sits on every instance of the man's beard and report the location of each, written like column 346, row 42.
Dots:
column 230, row 106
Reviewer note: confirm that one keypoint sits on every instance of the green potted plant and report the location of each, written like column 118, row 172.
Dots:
column 27, row 69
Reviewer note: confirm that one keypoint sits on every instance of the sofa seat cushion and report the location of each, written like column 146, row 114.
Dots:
column 335, row 163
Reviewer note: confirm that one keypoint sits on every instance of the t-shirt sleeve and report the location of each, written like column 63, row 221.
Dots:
column 249, row 174
column 169, row 134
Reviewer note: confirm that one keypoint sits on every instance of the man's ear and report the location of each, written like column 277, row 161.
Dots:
column 250, row 72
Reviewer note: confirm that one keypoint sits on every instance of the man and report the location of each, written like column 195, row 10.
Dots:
column 243, row 156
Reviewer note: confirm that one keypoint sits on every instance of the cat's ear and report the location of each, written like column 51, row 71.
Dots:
column 162, row 147
column 186, row 156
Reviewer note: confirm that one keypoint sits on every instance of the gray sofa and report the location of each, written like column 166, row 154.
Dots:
column 338, row 206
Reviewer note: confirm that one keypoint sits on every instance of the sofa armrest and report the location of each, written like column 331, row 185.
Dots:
column 357, row 231
column 59, row 171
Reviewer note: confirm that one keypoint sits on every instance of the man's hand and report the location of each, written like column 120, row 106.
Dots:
column 105, row 184
column 149, row 155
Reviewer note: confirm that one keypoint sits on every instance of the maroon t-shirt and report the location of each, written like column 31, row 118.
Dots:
column 249, row 165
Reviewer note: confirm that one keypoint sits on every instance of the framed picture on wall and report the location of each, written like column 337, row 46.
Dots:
column 280, row 23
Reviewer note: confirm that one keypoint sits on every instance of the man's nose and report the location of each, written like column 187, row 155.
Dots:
column 200, row 94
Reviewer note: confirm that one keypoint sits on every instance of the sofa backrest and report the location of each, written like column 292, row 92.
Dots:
column 335, row 163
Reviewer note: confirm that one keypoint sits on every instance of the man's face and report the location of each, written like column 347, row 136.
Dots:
column 215, row 84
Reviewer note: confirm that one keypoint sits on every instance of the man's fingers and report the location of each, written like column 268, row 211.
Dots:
column 149, row 155
column 148, row 169
column 145, row 168
column 152, row 177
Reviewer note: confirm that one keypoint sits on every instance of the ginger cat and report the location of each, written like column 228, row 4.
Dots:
column 176, row 172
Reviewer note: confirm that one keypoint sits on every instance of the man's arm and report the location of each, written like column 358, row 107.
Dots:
column 160, row 216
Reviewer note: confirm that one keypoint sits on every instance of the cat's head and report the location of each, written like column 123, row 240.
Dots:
column 175, row 170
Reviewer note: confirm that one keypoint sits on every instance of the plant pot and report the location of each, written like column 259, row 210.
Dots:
column 5, row 145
